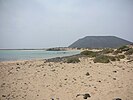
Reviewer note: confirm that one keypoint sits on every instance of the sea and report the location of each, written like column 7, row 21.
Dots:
column 13, row 55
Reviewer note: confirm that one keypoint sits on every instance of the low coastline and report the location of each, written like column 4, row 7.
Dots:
column 53, row 79
column 28, row 54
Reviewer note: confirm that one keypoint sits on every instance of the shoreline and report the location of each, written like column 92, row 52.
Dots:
column 53, row 59
column 64, row 54
column 48, row 49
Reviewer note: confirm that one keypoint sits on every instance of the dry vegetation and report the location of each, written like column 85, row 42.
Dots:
column 108, row 54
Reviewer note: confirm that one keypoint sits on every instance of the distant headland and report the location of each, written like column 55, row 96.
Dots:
column 100, row 42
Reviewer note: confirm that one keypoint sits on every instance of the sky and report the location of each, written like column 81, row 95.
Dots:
column 58, row 23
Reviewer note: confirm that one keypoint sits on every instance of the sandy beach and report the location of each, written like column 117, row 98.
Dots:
column 41, row 80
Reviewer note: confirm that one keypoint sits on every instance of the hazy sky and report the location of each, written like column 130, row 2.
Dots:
column 51, row 23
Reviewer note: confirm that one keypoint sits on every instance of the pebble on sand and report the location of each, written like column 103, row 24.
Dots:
column 117, row 99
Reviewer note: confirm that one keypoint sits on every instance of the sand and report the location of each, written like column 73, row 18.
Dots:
column 41, row 80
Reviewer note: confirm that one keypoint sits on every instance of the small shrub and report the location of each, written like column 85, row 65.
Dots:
column 86, row 52
column 101, row 59
column 123, row 48
column 121, row 56
column 117, row 58
column 129, row 52
column 112, row 58
column 73, row 60
column 106, row 51
column 89, row 53
column 117, row 51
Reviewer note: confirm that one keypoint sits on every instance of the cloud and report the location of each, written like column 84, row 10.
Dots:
column 45, row 23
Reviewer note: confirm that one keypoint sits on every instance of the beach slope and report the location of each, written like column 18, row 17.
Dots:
column 41, row 80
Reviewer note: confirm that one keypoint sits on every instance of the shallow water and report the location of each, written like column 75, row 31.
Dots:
column 12, row 55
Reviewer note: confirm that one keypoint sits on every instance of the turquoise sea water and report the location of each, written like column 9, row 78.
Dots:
column 12, row 55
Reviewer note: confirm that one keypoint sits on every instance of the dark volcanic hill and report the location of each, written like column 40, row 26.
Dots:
column 99, row 42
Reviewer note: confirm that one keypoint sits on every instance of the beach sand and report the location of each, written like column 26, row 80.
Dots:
column 41, row 80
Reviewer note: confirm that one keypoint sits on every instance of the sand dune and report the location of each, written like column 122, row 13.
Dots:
column 41, row 80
